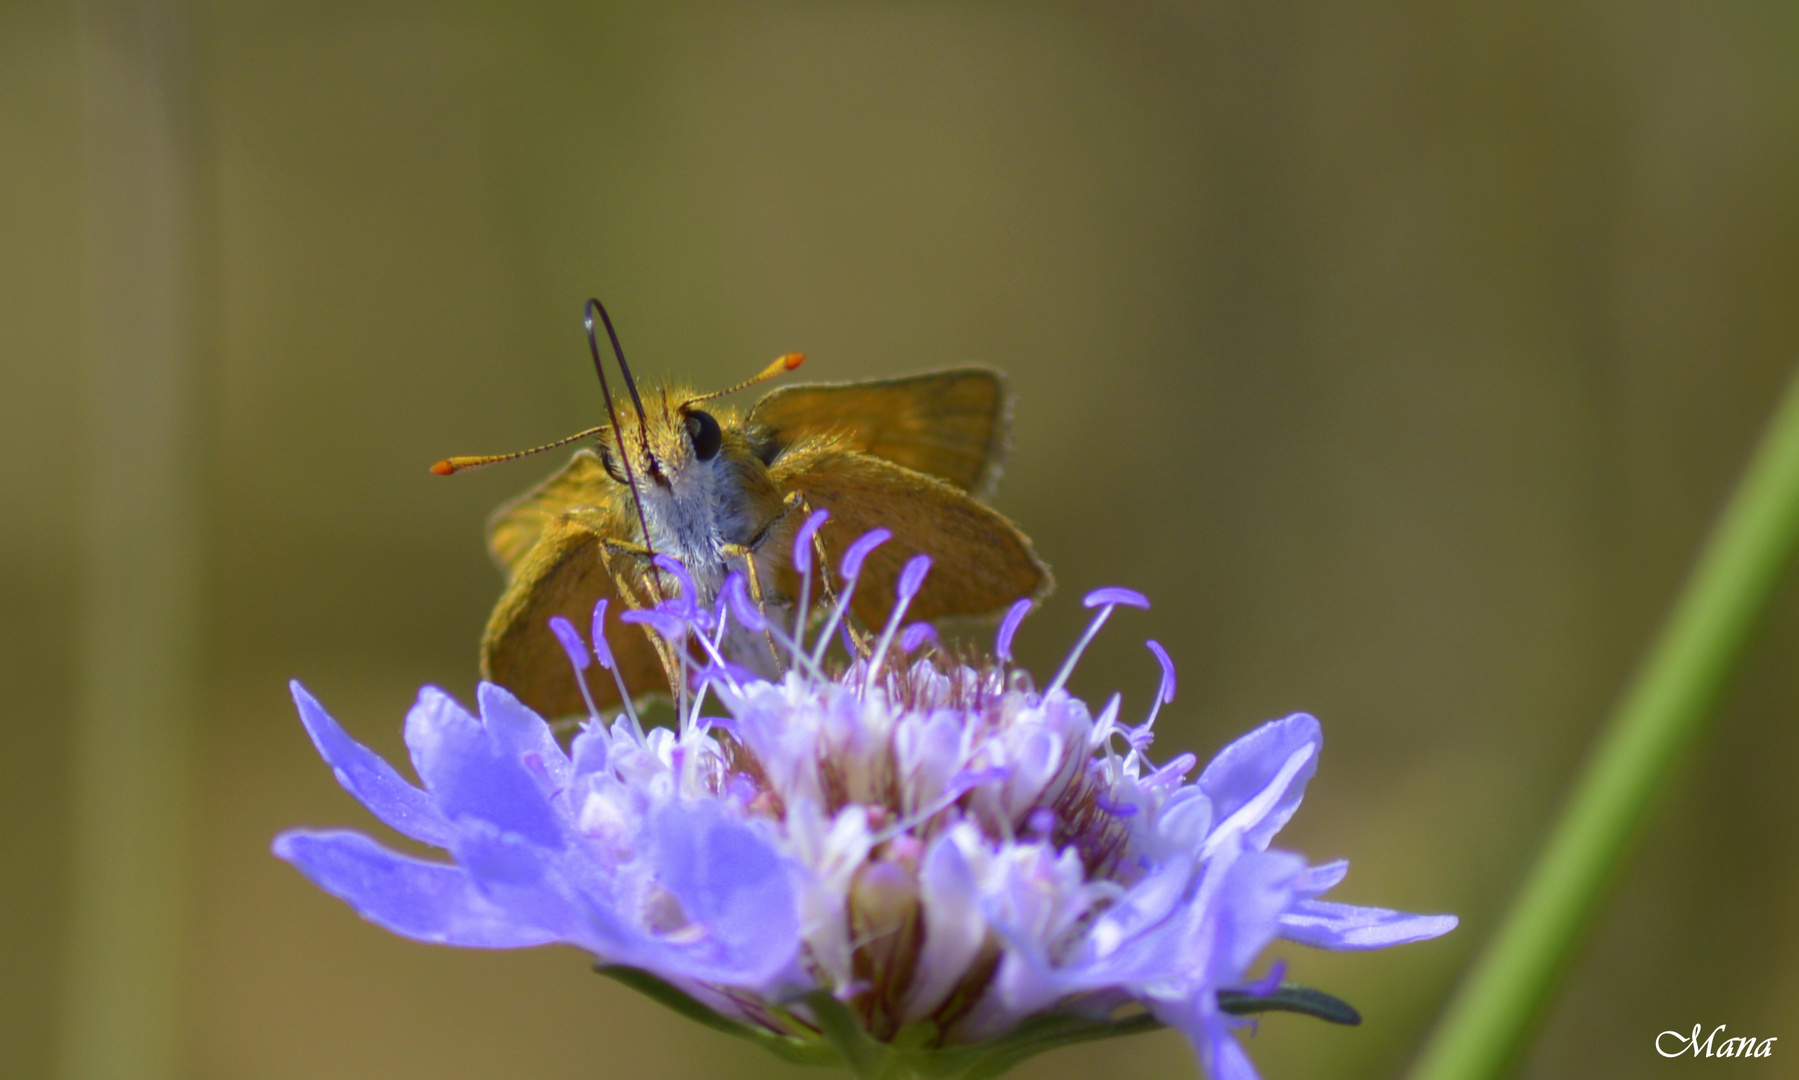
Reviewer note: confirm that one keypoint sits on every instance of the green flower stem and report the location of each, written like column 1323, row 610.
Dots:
column 1489, row 1021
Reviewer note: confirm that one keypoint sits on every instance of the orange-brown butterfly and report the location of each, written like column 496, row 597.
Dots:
column 722, row 492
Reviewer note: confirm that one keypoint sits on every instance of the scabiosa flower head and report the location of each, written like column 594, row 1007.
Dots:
column 903, row 863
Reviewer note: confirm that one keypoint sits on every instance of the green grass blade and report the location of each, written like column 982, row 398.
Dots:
column 1491, row 1018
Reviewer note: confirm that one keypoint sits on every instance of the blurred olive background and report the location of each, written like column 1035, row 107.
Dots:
column 1401, row 351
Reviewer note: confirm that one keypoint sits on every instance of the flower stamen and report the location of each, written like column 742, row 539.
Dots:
column 1105, row 599
column 850, row 568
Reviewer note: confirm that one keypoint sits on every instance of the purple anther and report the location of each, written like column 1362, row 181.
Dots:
column 851, row 568
column 1112, row 594
column 571, row 642
column 737, row 595
column 911, row 579
column 1167, row 691
column 915, row 635
column 1002, row 645
column 602, row 650
column 802, row 540
column 672, row 628
column 1041, row 822
column 690, row 598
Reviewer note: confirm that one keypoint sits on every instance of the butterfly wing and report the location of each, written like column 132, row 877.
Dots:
column 551, row 543
column 565, row 573
column 948, row 424
column 515, row 527
column 981, row 562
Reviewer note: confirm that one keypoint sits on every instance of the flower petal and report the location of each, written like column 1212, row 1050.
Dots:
column 1257, row 782
column 375, row 783
column 517, row 731
column 733, row 885
column 1345, row 927
column 1257, row 891
column 1318, row 880
column 953, row 925
column 420, row 900
column 467, row 776
column 524, row 879
column 1226, row 1059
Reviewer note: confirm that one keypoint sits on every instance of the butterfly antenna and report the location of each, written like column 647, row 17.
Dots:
column 618, row 433
column 449, row 466
column 781, row 365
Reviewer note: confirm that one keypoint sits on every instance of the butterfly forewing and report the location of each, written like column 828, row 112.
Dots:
column 514, row 528
column 948, row 424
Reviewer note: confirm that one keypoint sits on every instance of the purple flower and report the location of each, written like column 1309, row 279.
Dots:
column 910, row 868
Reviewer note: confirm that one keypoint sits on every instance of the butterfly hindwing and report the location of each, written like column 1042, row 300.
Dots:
column 981, row 562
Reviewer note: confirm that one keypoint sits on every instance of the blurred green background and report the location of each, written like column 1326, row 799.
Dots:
column 1401, row 351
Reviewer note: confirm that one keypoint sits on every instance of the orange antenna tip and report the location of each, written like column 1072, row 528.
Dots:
column 781, row 365
column 443, row 468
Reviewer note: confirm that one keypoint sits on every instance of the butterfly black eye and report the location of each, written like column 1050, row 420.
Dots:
column 610, row 463
column 703, row 431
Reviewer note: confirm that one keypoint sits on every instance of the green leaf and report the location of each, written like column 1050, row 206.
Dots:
column 1291, row 997
column 793, row 1048
column 1037, row 1036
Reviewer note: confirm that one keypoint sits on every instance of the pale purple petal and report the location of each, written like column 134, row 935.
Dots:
column 1345, row 927
column 468, row 776
column 1321, row 879
column 1226, row 1059
column 1282, row 754
column 1247, row 915
column 524, row 878
column 516, row 731
column 591, row 749
column 420, row 900
column 373, row 781
column 733, row 884
column 954, row 926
